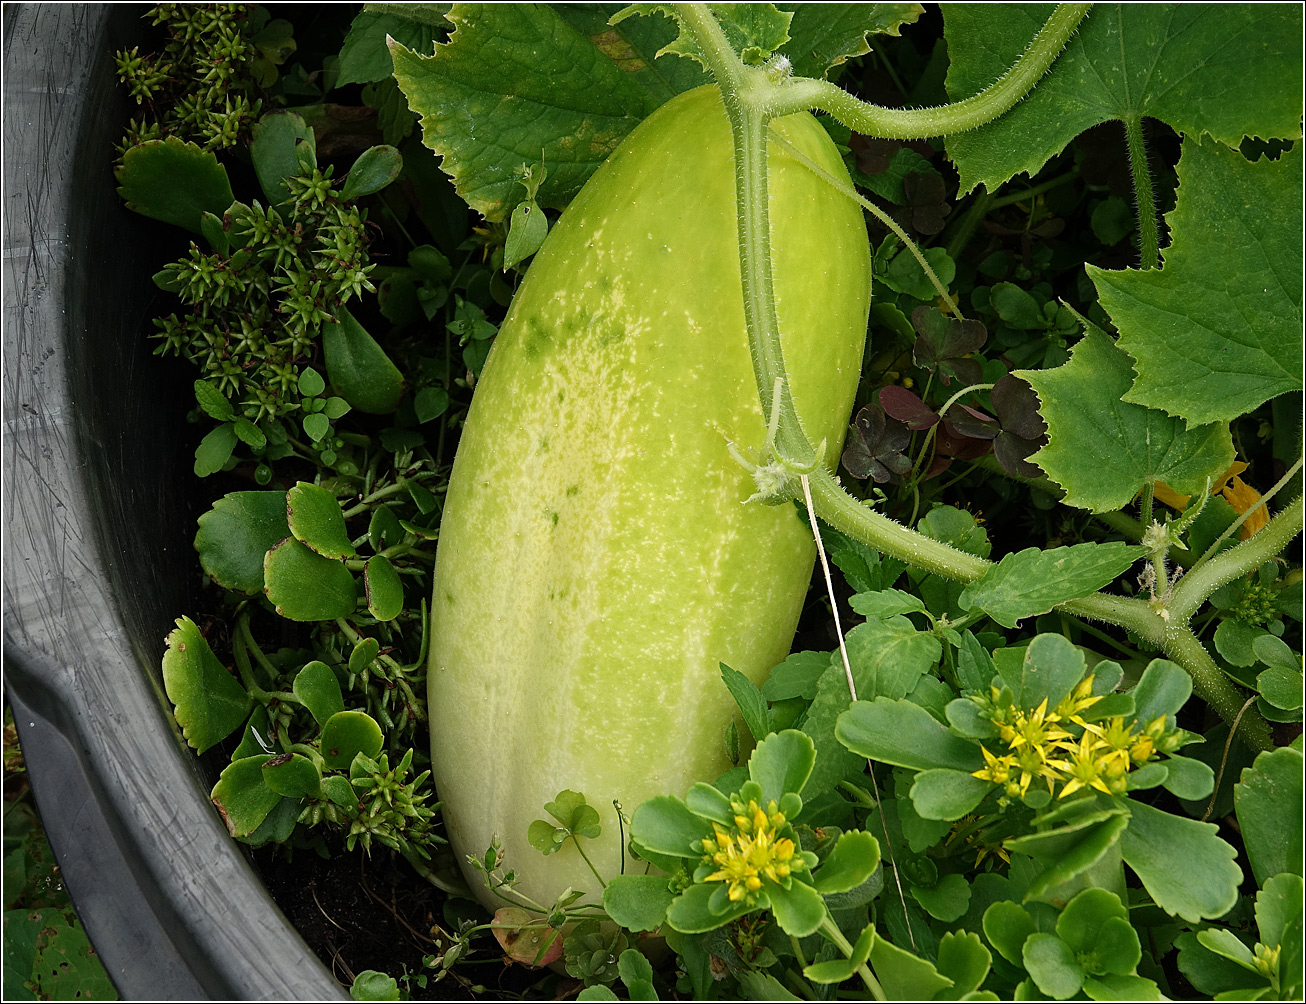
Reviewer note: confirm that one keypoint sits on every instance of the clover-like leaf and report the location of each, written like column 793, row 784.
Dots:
column 1217, row 331
column 236, row 533
column 1102, row 449
column 304, row 586
column 1052, row 966
column 318, row 689
column 1007, row 924
column 348, row 734
column 1023, row 428
column 1226, row 71
column 315, row 520
column 874, row 447
column 573, row 817
column 209, row 703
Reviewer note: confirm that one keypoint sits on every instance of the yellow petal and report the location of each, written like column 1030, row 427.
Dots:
column 1242, row 497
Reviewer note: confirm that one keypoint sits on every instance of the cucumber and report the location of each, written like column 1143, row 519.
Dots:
column 597, row 561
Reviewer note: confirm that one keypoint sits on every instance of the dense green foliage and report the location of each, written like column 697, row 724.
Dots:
column 1057, row 750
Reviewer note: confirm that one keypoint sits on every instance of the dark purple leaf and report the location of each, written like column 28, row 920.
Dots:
column 875, row 445
column 906, row 407
column 1023, row 428
column 972, row 424
column 945, row 343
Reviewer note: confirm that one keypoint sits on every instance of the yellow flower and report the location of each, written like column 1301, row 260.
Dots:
column 1086, row 769
column 753, row 852
column 1077, row 701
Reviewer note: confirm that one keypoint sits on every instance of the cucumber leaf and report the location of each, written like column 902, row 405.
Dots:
column 1230, row 71
column 633, row 45
column 1217, row 331
column 514, row 80
column 1102, row 449
column 824, row 36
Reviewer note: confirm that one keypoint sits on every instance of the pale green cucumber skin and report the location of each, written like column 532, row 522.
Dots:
column 596, row 560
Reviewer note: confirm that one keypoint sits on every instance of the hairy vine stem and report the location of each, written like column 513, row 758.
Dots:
column 753, row 96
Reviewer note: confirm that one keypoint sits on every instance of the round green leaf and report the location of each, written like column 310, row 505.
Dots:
column 855, row 856
column 385, row 590
column 317, row 687
column 236, row 533
column 311, row 383
column 304, row 586
column 210, row 703
column 1281, row 687
column 215, row 450
column 798, row 909
column 1268, row 799
column 706, row 801
column 964, row 960
column 947, row 900
column 372, row 171
column 316, row 426
column 1051, row 964
column 665, row 825
column 358, row 368
column 1007, row 925
column 947, row 794
column 242, row 797
column 316, row 521
column 1116, row 950
column 782, row 763
column 1189, row 779
column 526, row 232
column 293, row 776
column 363, row 653
column 689, row 912
column 1083, row 917
column 638, row 902
column 384, row 529
column 337, row 788
column 348, row 733
column 272, row 149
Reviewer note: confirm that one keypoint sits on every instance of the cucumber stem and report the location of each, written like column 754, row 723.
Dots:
column 752, row 97
column 1149, row 237
column 802, row 93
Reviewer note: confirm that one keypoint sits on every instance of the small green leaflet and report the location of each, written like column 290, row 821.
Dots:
column 512, row 81
column 526, row 233
column 1102, row 449
column 1217, row 331
column 754, row 30
column 210, row 703
column 1033, row 581
column 823, row 36
column 1225, row 69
